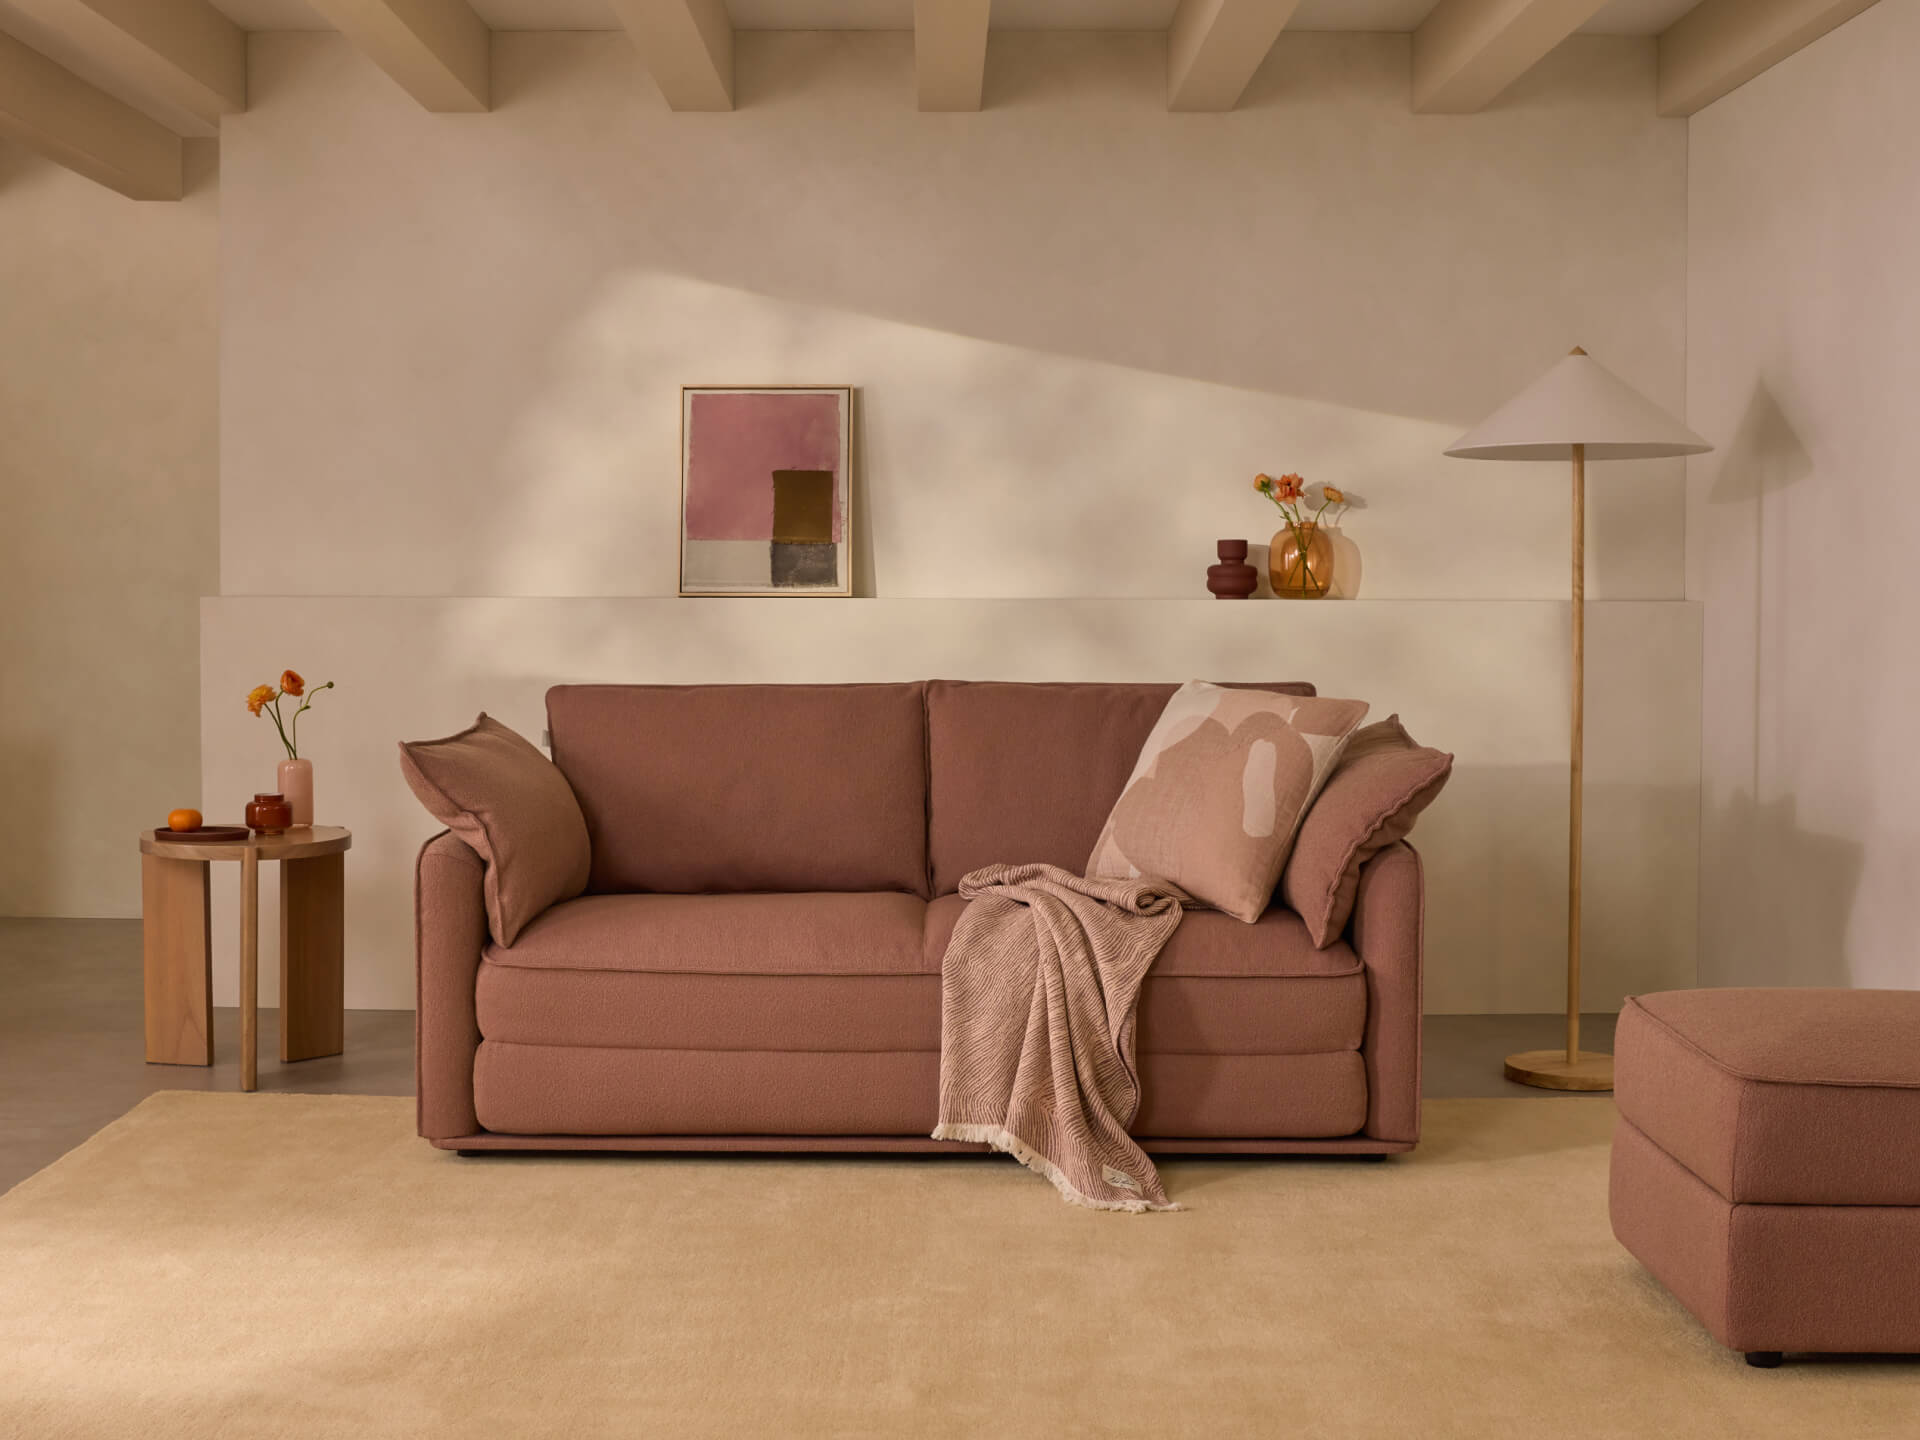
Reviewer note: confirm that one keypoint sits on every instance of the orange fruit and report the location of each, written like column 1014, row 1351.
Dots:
column 183, row 820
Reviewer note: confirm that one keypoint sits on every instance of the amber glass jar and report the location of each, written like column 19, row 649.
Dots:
column 269, row 814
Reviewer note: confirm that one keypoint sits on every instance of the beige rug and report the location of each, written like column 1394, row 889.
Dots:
column 262, row 1265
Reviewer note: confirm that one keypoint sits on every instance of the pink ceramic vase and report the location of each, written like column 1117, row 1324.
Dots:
column 296, row 783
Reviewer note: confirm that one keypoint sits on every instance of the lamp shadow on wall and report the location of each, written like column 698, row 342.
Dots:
column 1788, row 897
column 1777, row 898
column 1765, row 458
column 1495, row 850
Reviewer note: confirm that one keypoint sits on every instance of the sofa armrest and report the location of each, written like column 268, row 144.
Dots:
column 1388, row 933
column 449, row 931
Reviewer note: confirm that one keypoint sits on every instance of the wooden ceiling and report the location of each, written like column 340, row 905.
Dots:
column 110, row 87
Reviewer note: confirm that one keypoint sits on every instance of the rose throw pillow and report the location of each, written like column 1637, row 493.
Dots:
column 1383, row 782
column 1219, row 791
column 498, row 793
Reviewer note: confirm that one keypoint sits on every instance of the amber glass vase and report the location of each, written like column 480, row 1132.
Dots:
column 1297, row 572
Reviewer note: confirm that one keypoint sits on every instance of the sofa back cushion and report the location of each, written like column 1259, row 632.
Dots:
column 691, row 789
column 1023, row 773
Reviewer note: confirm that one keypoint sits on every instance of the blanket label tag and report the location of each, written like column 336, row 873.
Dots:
column 1119, row 1179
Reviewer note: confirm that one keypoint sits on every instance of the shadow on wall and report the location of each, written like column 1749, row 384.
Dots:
column 200, row 166
column 979, row 468
column 28, row 776
column 1495, row 849
column 1781, row 897
column 865, row 581
column 1766, row 454
column 1765, row 458
column 1777, row 899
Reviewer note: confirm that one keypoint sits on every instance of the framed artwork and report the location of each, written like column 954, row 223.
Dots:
column 765, row 490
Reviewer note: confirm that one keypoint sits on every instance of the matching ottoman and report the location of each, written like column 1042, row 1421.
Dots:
column 1766, row 1168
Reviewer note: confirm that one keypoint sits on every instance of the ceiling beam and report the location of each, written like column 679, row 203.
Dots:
column 438, row 51
column 182, row 52
column 55, row 112
column 1468, row 51
column 687, row 46
column 950, row 52
column 1720, row 45
column 1214, row 46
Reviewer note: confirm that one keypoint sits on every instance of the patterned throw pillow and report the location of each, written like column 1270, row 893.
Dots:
column 1219, row 792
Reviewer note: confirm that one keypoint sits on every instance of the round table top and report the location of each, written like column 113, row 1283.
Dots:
column 302, row 842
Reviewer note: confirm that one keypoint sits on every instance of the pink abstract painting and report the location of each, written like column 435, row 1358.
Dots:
column 765, row 488
column 736, row 440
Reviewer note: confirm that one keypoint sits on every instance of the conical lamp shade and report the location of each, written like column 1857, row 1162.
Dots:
column 1578, row 402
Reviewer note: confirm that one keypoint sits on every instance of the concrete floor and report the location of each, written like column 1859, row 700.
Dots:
column 71, row 1046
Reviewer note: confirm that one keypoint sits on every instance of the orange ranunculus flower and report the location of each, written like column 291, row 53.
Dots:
column 292, row 684
column 1334, row 497
column 1289, row 487
column 1263, row 483
column 257, row 697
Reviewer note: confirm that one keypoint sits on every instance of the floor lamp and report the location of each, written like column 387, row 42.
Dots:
column 1578, row 411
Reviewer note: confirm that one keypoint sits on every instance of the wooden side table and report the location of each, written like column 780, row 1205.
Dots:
column 177, row 931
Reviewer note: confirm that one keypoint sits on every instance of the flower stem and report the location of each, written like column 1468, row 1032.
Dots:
column 293, row 749
column 273, row 711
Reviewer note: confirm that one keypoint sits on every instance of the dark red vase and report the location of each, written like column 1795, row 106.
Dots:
column 1232, row 578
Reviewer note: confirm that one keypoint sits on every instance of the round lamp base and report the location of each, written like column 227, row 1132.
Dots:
column 1551, row 1070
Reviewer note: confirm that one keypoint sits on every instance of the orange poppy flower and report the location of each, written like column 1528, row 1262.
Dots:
column 1289, row 487
column 258, row 696
column 292, row 684
column 1334, row 497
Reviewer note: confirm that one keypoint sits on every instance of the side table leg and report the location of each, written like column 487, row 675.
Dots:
column 313, row 957
column 249, row 968
column 176, row 936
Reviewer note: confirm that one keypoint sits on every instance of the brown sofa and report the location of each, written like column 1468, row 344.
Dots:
column 756, row 961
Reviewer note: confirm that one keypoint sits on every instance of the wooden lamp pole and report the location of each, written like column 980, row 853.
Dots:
column 1581, row 411
column 1574, row 1068
column 1578, row 766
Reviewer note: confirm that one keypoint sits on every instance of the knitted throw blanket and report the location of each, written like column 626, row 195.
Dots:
column 1037, row 992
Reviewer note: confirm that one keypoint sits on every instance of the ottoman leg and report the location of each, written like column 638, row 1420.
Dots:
column 1764, row 1359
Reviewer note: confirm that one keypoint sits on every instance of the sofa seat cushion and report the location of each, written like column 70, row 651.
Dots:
column 1775, row 1096
column 822, row 933
column 723, row 972
column 861, row 973
column 1222, row 987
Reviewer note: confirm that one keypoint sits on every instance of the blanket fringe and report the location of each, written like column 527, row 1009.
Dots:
column 1008, row 1143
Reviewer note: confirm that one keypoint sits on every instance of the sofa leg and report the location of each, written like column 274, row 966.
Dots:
column 1764, row 1359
